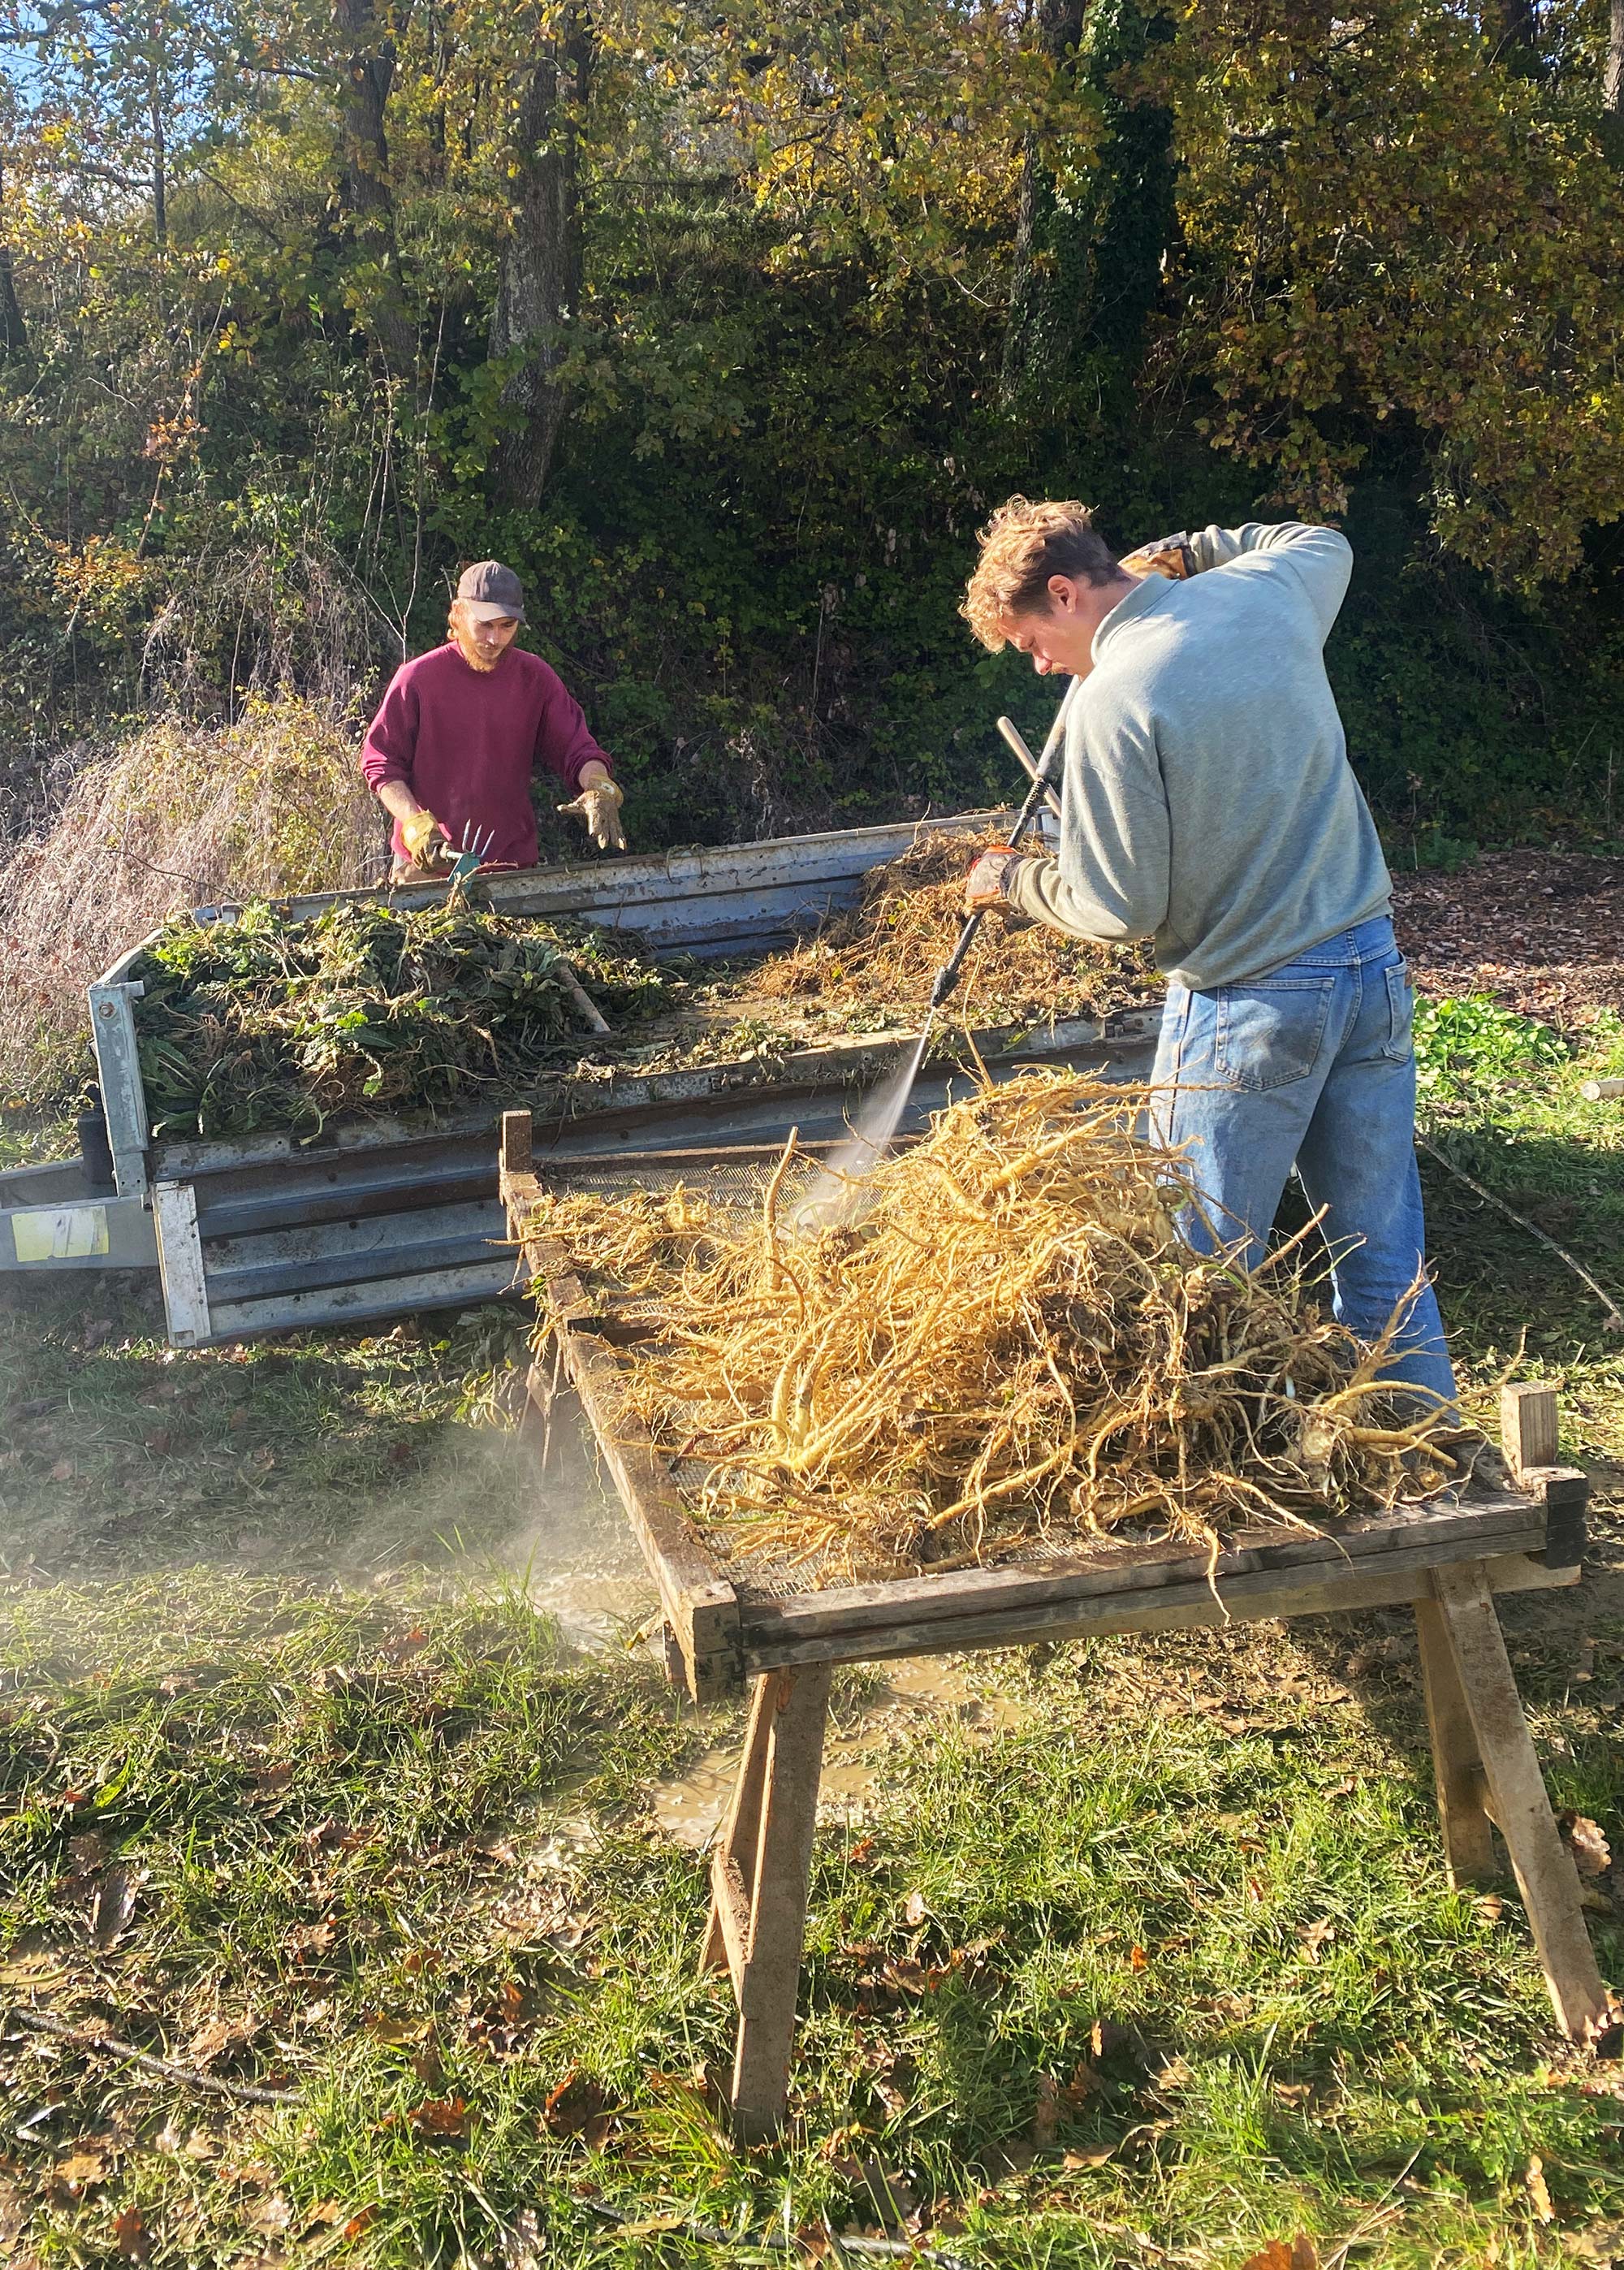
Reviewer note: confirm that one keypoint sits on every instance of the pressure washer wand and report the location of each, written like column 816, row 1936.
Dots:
column 1044, row 774
column 1044, row 778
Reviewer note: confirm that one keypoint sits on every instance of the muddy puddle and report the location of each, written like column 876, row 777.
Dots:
column 863, row 1737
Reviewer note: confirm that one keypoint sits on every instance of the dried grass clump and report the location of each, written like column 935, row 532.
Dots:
column 181, row 816
column 1012, row 1343
column 885, row 952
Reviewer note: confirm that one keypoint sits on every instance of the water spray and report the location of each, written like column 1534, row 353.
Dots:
column 834, row 1199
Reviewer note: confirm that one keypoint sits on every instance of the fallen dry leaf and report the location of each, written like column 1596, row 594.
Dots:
column 252, row 2173
column 307, row 1939
column 1091, row 2155
column 1539, row 2191
column 394, row 2033
column 135, row 2242
column 1299, row 2253
column 360, row 2222
column 86, row 1854
column 913, row 1908
column 1591, row 1854
column 81, row 2171
column 115, row 1904
column 62, row 1471
column 1317, row 1934
column 270, row 2215
column 575, row 2108
column 441, row 2117
column 209, row 2041
column 1046, row 2112
column 1137, row 1959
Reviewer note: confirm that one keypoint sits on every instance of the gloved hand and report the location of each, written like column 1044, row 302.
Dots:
column 986, row 886
column 427, row 844
column 598, row 808
column 1169, row 556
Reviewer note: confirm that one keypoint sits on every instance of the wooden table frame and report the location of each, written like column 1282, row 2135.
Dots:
column 1446, row 1563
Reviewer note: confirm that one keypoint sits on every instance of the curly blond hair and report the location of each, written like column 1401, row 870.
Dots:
column 1022, row 545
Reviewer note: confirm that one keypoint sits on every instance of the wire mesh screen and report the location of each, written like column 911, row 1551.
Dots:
column 731, row 1179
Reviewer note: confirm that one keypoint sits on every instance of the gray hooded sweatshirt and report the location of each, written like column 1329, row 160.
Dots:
column 1207, row 800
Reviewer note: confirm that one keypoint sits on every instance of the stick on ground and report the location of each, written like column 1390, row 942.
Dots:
column 85, row 2037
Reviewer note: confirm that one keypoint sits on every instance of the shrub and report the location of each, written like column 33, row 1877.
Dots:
column 181, row 816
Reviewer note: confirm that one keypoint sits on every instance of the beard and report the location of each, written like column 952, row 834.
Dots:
column 485, row 663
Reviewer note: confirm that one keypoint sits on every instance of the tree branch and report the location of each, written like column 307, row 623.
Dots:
column 94, row 2038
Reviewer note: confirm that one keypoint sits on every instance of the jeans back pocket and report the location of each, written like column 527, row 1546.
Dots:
column 1271, row 1033
column 1400, row 1013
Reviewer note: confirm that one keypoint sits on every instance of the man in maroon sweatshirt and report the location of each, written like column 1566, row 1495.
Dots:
column 461, row 731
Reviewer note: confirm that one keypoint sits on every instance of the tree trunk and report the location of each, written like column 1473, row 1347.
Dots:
column 367, row 195
column 1028, row 342
column 1613, row 87
column 161, row 166
column 1517, row 46
column 1088, row 265
column 14, row 331
column 539, row 285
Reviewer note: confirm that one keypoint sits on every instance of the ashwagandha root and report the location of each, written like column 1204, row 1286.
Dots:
column 1012, row 1341
column 887, row 948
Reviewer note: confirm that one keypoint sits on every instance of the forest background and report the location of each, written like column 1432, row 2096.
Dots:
column 726, row 324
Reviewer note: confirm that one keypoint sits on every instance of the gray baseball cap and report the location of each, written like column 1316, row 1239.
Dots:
column 492, row 589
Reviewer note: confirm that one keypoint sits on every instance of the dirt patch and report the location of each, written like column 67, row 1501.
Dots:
column 1540, row 931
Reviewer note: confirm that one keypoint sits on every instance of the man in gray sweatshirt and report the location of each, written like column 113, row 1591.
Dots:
column 1208, row 804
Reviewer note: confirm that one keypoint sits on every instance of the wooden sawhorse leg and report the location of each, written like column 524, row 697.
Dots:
column 759, row 1873
column 1487, row 1772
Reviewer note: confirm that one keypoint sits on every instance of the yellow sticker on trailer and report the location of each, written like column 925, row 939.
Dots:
column 60, row 1233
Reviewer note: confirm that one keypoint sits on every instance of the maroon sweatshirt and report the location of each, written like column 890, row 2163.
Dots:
column 466, row 741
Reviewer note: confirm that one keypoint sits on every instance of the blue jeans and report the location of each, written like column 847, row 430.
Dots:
column 1311, row 1065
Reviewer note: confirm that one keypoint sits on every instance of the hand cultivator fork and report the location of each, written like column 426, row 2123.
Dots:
column 472, row 851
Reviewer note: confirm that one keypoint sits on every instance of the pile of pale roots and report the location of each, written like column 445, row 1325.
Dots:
column 1005, row 1339
column 885, row 952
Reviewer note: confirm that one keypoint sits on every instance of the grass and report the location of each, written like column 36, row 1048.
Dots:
column 1500, row 1099
column 1135, row 1952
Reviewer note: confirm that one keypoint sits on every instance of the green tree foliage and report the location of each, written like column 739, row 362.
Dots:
column 727, row 324
column 1384, row 222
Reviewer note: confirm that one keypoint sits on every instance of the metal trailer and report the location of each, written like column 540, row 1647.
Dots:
column 269, row 1232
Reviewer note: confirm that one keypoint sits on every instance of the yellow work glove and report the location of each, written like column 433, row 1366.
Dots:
column 598, row 809
column 1169, row 556
column 426, row 842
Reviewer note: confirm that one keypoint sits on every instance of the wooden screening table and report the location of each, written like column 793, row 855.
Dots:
column 1446, row 1560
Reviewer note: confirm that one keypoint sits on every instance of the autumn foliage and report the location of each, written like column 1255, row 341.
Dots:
column 727, row 324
